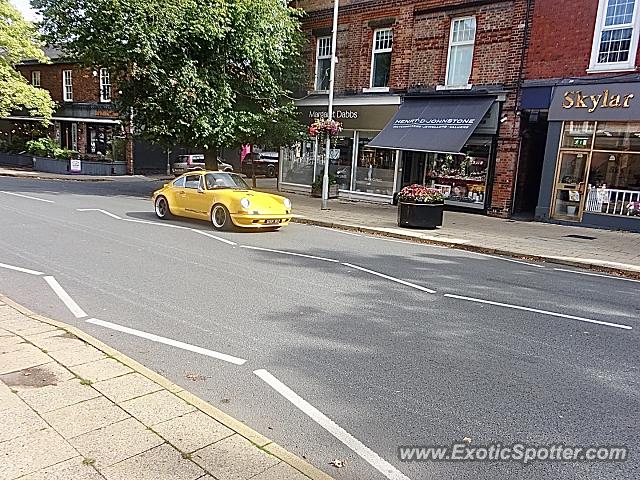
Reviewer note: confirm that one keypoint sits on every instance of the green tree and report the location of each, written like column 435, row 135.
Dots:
column 19, row 40
column 197, row 73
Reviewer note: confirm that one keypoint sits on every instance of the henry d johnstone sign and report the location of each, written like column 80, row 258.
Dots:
column 604, row 101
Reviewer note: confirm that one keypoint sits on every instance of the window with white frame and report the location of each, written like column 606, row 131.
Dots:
column 67, row 86
column 381, row 57
column 323, row 63
column 35, row 78
column 105, row 85
column 615, row 40
column 460, row 58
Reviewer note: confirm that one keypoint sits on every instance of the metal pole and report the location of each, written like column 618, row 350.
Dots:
column 334, row 41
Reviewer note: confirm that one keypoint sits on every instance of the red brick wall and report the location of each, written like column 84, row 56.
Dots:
column 561, row 38
column 86, row 87
column 419, row 58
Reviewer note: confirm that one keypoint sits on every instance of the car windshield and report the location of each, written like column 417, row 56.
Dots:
column 225, row 180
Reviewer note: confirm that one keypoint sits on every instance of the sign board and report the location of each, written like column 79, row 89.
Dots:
column 603, row 101
column 76, row 165
column 334, row 153
column 356, row 117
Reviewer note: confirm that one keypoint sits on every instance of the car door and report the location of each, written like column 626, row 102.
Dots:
column 194, row 200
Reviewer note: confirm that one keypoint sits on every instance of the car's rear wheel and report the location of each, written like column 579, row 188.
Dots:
column 271, row 171
column 220, row 217
column 162, row 208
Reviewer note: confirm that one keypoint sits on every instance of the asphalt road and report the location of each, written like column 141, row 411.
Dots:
column 502, row 351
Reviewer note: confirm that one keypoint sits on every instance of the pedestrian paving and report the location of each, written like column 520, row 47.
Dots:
column 614, row 251
column 73, row 409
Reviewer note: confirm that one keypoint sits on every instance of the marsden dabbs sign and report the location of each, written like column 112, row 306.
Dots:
column 613, row 101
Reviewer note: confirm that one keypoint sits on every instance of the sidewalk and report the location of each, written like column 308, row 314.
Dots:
column 6, row 171
column 615, row 252
column 71, row 408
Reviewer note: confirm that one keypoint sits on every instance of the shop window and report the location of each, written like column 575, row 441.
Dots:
column 99, row 139
column 67, row 86
column 105, row 85
column 375, row 168
column 323, row 63
column 598, row 170
column 35, row 78
column 298, row 163
column 460, row 58
column 615, row 40
column 381, row 58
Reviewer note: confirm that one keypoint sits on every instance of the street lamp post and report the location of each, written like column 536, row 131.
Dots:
column 325, row 178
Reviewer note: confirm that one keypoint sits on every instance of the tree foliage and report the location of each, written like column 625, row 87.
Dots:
column 19, row 40
column 197, row 73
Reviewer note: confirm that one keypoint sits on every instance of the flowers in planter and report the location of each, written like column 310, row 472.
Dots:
column 420, row 194
column 323, row 126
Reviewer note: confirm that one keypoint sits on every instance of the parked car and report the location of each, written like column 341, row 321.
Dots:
column 185, row 163
column 222, row 198
column 266, row 163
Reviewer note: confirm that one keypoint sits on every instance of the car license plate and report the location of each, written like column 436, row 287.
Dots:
column 271, row 221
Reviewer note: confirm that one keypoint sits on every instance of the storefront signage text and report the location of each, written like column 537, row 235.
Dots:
column 434, row 123
column 338, row 114
column 576, row 99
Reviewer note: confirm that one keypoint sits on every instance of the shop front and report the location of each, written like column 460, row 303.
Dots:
column 360, row 171
column 447, row 143
column 591, row 173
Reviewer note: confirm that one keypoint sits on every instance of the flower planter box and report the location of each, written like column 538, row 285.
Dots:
column 420, row 215
column 317, row 191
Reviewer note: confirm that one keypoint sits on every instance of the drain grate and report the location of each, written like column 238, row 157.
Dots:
column 581, row 237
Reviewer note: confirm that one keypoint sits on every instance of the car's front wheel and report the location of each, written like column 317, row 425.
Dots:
column 220, row 217
column 162, row 208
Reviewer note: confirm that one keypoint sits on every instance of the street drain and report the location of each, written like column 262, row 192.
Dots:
column 581, row 237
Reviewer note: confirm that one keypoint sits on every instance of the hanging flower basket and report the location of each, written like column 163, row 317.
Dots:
column 325, row 127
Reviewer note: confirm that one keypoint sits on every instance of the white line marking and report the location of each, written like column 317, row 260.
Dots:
column 393, row 279
column 507, row 259
column 29, row 197
column 99, row 210
column 64, row 296
column 544, row 312
column 371, row 457
column 215, row 237
column 596, row 275
column 168, row 341
column 20, row 269
column 290, row 253
column 147, row 222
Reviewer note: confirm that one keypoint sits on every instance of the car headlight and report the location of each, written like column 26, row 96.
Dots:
column 245, row 203
column 287, row 203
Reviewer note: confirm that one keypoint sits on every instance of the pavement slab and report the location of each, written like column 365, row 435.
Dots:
column 100, row 370
column 192, row 431
column 126, row 387
column 33, row 452
column 77, row 356
column 116, row 442
column 281, row 471
column 157, row 407
column 26, row 356
column 234, row 458
column 53, row 397
column 19, row 420
column 159, row 463
column 89, row 415
column 73, row 469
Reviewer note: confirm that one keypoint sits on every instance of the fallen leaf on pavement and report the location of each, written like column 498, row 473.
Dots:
column 467, row 440
column 337, row 463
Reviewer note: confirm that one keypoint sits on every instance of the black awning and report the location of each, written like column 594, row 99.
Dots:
column 433, row 124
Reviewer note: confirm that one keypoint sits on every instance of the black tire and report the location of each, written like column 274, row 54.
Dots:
column 220, row 218
column 162, row 208
column 271, row 171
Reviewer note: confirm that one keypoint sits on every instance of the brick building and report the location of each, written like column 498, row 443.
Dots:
column 86, row 120
column 580, row 110
column 453, row 66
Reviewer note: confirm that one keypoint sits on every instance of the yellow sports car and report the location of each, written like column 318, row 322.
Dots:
column 224, row 198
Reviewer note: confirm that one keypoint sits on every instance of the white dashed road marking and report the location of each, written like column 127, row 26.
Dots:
column 64, row 296
column 168, row 341
column 20, row 269
column 393, row 279
column 293, row 254
column 371, row 457
column 28, row 196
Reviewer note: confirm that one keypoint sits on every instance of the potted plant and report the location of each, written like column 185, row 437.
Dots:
column 420, row 207
column 316, row 187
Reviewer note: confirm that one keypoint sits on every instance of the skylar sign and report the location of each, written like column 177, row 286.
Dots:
column 604, row 101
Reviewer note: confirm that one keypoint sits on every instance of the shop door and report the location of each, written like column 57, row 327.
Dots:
column 570, row 187
column 413, row 168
